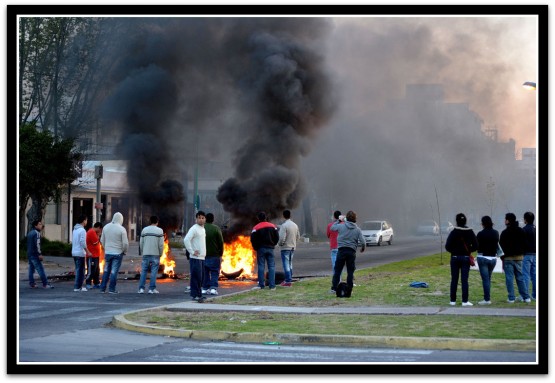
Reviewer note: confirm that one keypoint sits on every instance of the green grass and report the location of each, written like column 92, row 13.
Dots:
column 386, row 285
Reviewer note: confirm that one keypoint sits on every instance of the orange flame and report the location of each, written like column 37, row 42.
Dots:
column 165, row 260
column 239, row 255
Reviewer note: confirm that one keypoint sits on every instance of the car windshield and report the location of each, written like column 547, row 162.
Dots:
column 373, row 225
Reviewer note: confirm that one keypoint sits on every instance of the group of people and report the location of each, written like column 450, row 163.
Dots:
column 515, row 246
column 265, row 236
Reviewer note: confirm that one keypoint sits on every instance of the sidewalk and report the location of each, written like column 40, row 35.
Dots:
column 60, row 265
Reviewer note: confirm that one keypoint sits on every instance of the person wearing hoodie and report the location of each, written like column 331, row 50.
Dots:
column 461, row 242
column 513, row 243
column 349, row 238
column 79, row 251
column 115, row 243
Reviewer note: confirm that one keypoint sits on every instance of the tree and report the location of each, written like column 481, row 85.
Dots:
column 45, row 165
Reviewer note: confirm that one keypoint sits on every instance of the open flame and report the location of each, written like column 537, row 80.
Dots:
column 165, row 260
column 238, row 255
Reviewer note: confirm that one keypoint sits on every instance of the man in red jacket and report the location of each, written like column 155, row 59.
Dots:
column 93, row 262
column 264, row 238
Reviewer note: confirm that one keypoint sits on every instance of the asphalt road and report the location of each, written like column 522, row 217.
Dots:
column 60, row 326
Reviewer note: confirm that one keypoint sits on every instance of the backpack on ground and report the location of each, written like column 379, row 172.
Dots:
column 343, row 290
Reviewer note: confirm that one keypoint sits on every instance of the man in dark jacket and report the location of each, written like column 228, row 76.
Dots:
column 34, row 256
column 264, row 238
column 529, row 262
column 513, row 243
column 213, row 260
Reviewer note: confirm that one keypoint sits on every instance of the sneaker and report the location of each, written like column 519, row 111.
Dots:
column 113, row 292
column 49, row 286
column 76, row 290
column 96, row 287
column 332, row 291
column 510, row 301
column 153, row 291
column 519, row 299
column 88, row 287
column 201, row 299
column 452, row 303
column 256, row 288
column 32, row 286
column 84, row 289
column 187, row 289
column 213, row 292
column 285, row 284
column 467, row 304
column 272, row 288
column 528, row 300
column 103, row 291
column 204, row 291
column 141, row 291
column 484, row 303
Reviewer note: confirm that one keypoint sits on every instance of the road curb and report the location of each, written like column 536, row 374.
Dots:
column 435, row 343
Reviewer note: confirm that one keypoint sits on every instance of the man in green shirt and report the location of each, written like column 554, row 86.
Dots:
column 213, row 260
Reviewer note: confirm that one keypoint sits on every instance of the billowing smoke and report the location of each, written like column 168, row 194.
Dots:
column 289, row 99
column 188, row 89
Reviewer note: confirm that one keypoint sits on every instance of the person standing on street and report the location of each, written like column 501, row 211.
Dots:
column 288, row 237
column 115, row 243
column 79, row 251
column 488, row 241
column 529, row 262
column 214, row 253
column 93, row 262
column 349, row 238
column 151, row 247
column 461, row 243
column 332, row 235
column 195, row 243
column 34, row 256
column 264, row 238
column 513, row 243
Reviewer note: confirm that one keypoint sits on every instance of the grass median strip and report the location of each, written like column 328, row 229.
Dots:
column 386, row 285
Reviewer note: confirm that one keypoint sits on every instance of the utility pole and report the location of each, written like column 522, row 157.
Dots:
column 98, row 170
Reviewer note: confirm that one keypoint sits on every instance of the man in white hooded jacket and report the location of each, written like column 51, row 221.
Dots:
column 115, row 243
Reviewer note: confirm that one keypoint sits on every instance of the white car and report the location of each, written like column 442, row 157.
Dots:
column 376, row 232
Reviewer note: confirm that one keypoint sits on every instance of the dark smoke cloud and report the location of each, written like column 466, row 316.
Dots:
column 195, row 88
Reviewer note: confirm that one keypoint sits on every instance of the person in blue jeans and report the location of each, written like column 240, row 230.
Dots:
column 151, row 247
column 529, row 261
column 34, row 257
column 513, row 243
column 264, row 238
column 288, row 237
column 115, row 243
column 488, row 240
column 79, row 252
column 461, row 243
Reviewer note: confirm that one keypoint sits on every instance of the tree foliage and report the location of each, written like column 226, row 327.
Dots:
column 45, row 164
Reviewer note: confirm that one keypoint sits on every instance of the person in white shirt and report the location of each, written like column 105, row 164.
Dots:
column 195, row 243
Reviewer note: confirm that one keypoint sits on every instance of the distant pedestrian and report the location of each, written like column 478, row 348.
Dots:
column 461, row 243
column 349, row 238
column 529, row 261
column 93, row 262
column 151, row 247
column 488, row 241
column 34, row 256
column 332, row 235
column 288, row 237
column 115, row 243
column 214, row 253
column 513, row 243
column 79, row 251
column 264, row 238
column 195, row 243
